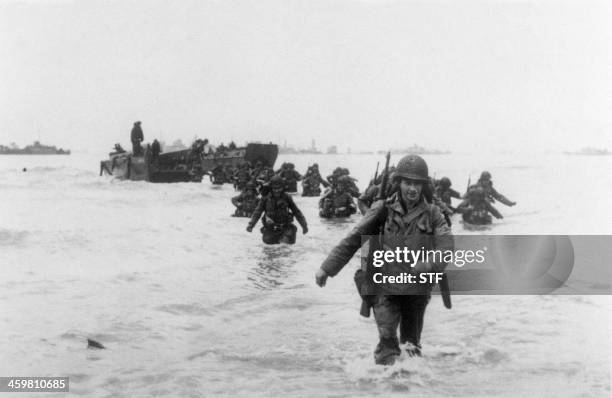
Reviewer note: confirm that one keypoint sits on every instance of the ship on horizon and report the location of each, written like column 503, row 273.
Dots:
column 35, row 149
column 416, row 150
column 589, row 151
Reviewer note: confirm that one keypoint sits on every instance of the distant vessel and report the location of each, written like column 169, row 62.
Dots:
column 187, row 165
column 416, row 150
column 590, row 152
column 35, row 149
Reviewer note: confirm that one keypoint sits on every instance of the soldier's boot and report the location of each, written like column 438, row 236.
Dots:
column 387, row 351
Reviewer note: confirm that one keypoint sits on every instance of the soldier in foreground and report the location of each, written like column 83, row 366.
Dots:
column 406, row 217
column 278, row 211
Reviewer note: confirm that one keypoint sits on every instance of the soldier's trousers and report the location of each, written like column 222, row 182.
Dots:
column 407, row 312
column 136, row 148
column 280, row 234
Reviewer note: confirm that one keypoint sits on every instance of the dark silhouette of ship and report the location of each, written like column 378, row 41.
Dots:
column 35, row 149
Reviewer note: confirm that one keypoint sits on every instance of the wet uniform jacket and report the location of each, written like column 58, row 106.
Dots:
column 491, row 193
column 421, row 226
column 246, row 202
column 476, row 211
column 278, row 211
column 336, row 201
column 445, row 195
column 310, row 185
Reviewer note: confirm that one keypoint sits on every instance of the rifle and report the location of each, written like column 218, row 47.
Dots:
column 469, row 183
column 361, row 275
column 382, row 192
column 376, row 174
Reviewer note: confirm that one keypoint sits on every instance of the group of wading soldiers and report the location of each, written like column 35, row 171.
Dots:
column 338, row 199
column 401, row 207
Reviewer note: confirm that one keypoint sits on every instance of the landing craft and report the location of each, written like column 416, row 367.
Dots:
column 187, row 165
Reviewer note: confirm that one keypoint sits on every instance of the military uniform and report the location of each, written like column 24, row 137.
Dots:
column 246, row 202
column 476, row 209
column 338, row 202
column 445, row 192
column 310, row 185
column 278, row 213
column 490, row 193
column 422, row 225
column 136, row 136
column 218, row 175
column 241, row 177
column 291, row 177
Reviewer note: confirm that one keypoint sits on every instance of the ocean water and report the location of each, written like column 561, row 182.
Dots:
column 188, row 303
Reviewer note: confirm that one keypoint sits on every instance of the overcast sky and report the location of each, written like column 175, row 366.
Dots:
column 450, row 74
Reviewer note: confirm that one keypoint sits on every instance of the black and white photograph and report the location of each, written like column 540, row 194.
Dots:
column 306, row 198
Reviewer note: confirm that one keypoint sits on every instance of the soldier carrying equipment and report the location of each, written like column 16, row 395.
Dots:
column 405, row 218
column 278, row 211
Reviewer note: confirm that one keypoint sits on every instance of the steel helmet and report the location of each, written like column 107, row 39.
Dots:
column 412, row 167
column 485, row 175
column 277, row 181
column 445, row 182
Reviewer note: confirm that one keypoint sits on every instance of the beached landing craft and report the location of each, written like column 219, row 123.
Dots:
column 188, row 165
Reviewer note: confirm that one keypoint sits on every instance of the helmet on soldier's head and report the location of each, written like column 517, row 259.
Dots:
column 485, row 175
column 315, row 165
column 412, row 167
column 445, row 182
column 344, row 181
column 345, row 171
column 251, row 185
column 277, row 181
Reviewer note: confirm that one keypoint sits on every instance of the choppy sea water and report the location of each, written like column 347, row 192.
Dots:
column 190, row 304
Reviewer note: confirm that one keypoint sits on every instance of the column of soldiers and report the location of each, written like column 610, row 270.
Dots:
column 402, row 205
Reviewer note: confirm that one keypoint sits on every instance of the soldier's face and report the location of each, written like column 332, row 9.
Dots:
column 276, row 191
column 411, row 190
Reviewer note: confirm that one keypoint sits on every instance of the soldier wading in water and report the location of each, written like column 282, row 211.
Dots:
column 407, row 219
column 279, row 211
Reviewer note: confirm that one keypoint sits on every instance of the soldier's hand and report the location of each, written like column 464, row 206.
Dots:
column 304, row 230
column 249, row 229
column 321, row 277
column 512, row 204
